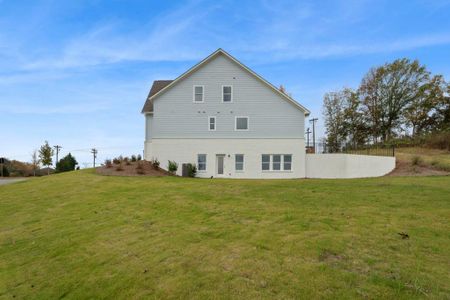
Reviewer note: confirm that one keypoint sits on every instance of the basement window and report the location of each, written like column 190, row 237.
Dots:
column 201, row 162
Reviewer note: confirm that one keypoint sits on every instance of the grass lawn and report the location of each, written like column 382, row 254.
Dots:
column 81, row 235
column 439, row 159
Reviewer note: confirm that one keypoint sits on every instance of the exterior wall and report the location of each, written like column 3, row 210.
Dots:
column 270, row 115
column 347, row 165
column 148, row 127
column 186, row 150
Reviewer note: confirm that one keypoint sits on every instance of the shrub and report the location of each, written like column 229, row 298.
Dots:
column 67, row 163
column 119, row 167
column 127, row 161
column 173, row 167
column 440, row 140
column 133, row 158
column 192, row 170
column 138, row 157
column 416, row 160
column 108, row 163
column 116, row 161
column 140, row 168
column 155, row 163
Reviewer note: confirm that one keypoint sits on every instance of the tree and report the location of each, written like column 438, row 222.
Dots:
column 35, row 161
column 334, row 116
column 387, row 90
column 45, row 155
column 67, row 163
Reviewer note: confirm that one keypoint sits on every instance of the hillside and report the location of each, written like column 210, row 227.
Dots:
column 82, row 235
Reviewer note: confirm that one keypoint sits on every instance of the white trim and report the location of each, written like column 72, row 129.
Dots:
column 203, row 93
column 287, row 97
column 227, row 85
column 235, row 123
column 206, row 162
column 209, row 123
column 243, row 163
column 281, row 170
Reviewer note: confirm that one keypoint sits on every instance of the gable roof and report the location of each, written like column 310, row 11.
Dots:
column 148, row 106
column 156, row 87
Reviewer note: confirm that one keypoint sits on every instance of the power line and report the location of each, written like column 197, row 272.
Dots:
column 314, row 120
column 57, row 147
column 94, row 153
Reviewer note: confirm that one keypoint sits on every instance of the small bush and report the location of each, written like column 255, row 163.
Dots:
column 140, row 168
column 126, row 160
column 155, row 163
column 116, row 161
column 108, row 163
column 416, row 160
column 138, row 157
column 119, row 167
column 133, row 158
column 173, row 167
column 192, row 170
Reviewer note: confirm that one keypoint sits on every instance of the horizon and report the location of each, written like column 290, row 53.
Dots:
column 77, row 74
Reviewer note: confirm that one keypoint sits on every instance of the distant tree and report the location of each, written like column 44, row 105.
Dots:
column 387, row 90
column 35, row 161
column 67, row 163
column 45, row 155
column 334, row 117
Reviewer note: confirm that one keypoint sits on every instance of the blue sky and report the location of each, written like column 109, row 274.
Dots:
column 76, row 73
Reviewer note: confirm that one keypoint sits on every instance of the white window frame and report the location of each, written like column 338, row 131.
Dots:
column 231, row 100
column 203, row 93
column 281, row 163
column 206, row 162
column 235, row 123
column 243, row 163
column 209, row 123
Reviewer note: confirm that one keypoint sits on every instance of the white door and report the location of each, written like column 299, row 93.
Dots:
column 220, row 158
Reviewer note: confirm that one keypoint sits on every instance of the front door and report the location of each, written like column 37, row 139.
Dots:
column 220, row 164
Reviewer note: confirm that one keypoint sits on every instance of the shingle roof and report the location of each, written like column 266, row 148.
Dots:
column 156, row 87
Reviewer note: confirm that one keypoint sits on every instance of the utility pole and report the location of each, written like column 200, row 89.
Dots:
column 94, row 153
column 308, row 132
column 314, row 120
column 57, row 147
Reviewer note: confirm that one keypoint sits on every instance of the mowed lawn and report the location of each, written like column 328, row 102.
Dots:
column 81, row 235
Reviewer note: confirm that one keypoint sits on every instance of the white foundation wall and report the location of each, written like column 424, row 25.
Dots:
column 347, row 165
column 186, row 150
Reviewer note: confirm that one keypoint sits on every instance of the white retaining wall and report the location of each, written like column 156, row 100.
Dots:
column 347, row 165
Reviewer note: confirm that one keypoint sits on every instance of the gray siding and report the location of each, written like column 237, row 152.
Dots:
column 270, row 115
column 148, row 127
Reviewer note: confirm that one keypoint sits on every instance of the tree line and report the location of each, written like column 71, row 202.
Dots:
column 398, row 99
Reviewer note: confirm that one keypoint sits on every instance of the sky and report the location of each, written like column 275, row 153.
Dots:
column 76, row 73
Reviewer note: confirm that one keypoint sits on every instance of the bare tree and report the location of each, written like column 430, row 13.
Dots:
column 35, row 161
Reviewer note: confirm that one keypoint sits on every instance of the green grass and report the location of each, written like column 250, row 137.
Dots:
column 81, row 235
column 439, row 159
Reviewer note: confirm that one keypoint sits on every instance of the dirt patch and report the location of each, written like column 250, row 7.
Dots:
column 131, row 169
column 406, row 168
column 329, row 256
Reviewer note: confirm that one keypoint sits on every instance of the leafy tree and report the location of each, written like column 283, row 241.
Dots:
column 334, row 116
column 45, row 155
column 35, row 161
column 387, row 90
column 67, row 163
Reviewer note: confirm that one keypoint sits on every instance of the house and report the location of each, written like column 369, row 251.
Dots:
column 226, row 119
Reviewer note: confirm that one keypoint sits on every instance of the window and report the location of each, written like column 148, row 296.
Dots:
column 287, row 158
column 265, row 162
column 241, row 123
column 239, row 162
column 212, row 123
column 276, row 162
column 227, row 93
column 198, row 93
column 201, row 162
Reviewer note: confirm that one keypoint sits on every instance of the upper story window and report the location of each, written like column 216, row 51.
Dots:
column 212, row 123
column 227, row 93
column 199, row 93
column 241, row 123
